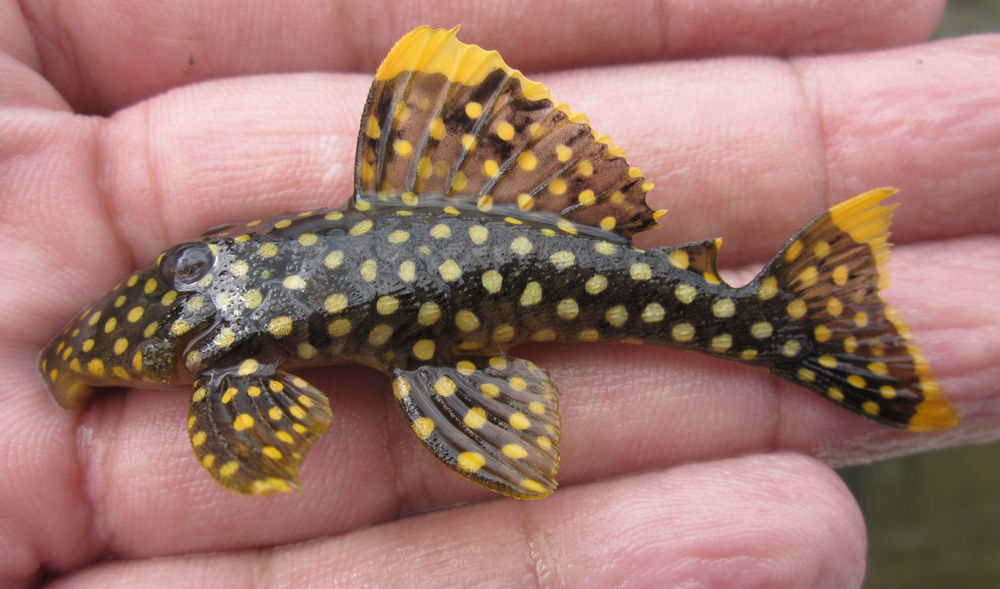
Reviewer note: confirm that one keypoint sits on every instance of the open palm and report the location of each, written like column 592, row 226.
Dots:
column 675, row 468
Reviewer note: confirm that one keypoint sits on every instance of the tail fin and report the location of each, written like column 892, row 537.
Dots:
column 838, row 337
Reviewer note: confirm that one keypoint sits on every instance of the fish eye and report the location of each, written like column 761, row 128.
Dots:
column 186, row 264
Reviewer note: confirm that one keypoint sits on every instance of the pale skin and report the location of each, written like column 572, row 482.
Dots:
column 675, row 467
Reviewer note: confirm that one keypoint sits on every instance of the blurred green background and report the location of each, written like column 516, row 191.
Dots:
column 934, row 519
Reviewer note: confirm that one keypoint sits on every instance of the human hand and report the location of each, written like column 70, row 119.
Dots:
column 716, row 477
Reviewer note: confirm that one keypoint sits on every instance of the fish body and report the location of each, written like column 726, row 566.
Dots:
column 485, row 215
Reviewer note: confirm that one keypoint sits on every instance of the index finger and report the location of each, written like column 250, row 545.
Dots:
column 102, row 56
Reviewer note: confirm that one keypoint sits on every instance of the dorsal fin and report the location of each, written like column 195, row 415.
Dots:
column 446, row 118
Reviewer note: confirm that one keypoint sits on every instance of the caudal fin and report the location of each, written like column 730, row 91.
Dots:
column 838, row 337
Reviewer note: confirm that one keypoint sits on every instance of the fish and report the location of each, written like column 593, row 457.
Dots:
column 485, row 214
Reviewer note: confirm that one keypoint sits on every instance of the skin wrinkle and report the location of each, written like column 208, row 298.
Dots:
column 532, row 534
column 813, row 103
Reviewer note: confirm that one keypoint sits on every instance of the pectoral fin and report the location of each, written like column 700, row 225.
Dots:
column 494, row 421
column 251, row 425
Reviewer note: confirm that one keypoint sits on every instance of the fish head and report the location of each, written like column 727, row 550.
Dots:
column 135, row 333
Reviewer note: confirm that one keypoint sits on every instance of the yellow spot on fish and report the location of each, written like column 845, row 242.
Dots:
column 519, row 421
column 368, row 270
column 424, row 349
column 475, row 418
column 428, row 314
column 515, row 451
column 567, row 309
column 607, row 223
column 822, row 333
column 248, row 367
column 562, row 259
column 437, row 129
column 879, row 368
column 682, row 332
column 761, row 330
column 402, row 147
column 334, row 259
column 527, row 161
column 679, row 259
column 180, row 327
column 386, row 305
column 768, row 288
column 596, row 284
column 505, row 131
column 870, row 407
column 267, row 250
column 478, row 234
column 229, row 469
column 450, row 270
column 685, row 293
column 721, row 343
column 361, row 228
column 294, row 282
column 473, row 110
column 861, row 319
column 398, row 236
column 532, row 294
column 280, row 326
column 653, row 313
column 335, row 303
column 793, row 251
column 521, row 246
column 835, row 394
column 423, row 427
column 557, row 186
column 466, row 320
column 640, row 271
column 723, row 308
column 840, row 275
column 850, row 344
column 503, row 333
column 492, row 281
column 470, row 461
column 834, row 307
column 827, row 361
column 616, row 316
column 96, row 367
column 121, row 344
column 459, row 182
column 491, row 168
column 408, row 271
column 110, row 325
column 856, row 381
column 791, row 348
column 440, row 231
column 796, row 309
column 605, row 248
column 379, row 335
column 445, row 386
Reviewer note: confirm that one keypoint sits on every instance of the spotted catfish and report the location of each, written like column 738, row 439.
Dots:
column 485, row 214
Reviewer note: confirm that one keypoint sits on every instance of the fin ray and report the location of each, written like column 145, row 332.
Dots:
column 848, row 344
column 252, row 431
column 493, row 421
column 450, row 119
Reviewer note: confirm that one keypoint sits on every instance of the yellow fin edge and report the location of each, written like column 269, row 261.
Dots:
column 438, row 51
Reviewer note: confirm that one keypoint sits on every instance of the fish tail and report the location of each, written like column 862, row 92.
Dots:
column 833, row 333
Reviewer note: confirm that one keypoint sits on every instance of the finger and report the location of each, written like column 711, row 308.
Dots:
column 776, row 521
column 738, row 138
column 103, row 56
column 56, row 224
